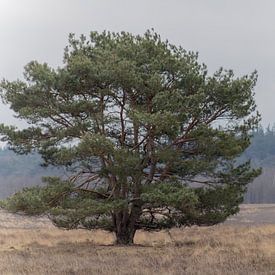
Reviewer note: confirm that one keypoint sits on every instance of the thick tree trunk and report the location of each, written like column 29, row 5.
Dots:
column 125, row 237
column 125, row 225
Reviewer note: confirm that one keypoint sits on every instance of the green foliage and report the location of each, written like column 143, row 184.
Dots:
column 29, row 200
column 37, row 200
column 149, row 137
column 172, row 195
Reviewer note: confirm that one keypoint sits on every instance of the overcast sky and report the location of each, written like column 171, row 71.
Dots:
column 234, row 34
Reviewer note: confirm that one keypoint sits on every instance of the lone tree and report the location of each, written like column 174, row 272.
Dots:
column 150, row 139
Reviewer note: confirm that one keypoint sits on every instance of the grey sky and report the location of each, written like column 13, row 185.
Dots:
column 235, row 34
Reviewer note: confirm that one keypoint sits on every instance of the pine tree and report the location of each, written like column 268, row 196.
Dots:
column 149, row 137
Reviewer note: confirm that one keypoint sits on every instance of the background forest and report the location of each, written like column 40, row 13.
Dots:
column 262, row 154
column 18, row 171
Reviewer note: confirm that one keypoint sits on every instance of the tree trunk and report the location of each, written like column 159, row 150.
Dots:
column 125, row 224
column 125, row 237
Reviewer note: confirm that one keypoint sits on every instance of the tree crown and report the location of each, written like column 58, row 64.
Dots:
column 150, row 137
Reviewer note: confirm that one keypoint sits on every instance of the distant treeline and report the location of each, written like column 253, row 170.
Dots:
column 262, row 154
column 18, row 171
column 262, row 148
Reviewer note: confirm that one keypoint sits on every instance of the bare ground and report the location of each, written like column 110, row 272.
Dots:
column 243, row 245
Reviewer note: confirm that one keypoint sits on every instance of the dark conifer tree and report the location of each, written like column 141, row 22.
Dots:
column 149, row 137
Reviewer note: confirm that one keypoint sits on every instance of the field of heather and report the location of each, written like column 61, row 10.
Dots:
column 244, row 244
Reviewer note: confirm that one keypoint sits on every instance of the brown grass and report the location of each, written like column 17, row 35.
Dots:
column 27, row 247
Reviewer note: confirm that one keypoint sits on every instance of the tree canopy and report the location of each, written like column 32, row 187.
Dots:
column 149, row 137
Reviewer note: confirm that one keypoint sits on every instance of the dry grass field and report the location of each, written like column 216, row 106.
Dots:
column 31, row 246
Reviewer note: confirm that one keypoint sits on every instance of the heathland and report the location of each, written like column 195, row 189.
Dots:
column 245, row 244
